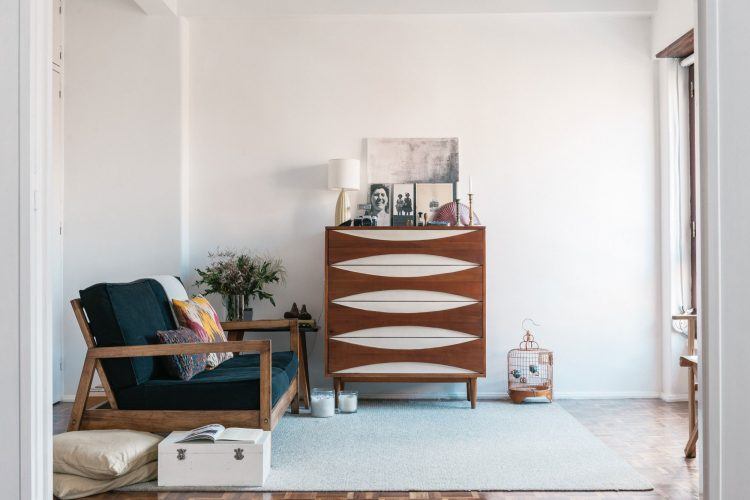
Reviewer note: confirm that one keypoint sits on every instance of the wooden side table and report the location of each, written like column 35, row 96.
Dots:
column 236, row 330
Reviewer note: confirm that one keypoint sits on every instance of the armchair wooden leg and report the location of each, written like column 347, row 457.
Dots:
column 82, row 395
column 265, row 389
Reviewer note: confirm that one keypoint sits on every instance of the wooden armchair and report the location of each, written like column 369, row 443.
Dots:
column 258, row 372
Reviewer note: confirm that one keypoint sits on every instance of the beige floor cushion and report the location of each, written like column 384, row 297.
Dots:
column 103, row 454
column 72, row 486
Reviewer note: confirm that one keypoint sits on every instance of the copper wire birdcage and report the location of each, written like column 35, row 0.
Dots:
column 529, row 369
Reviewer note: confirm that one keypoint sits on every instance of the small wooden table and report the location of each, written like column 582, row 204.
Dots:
column 235, row 333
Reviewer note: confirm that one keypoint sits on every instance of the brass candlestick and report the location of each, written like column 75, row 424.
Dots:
column 471, row 210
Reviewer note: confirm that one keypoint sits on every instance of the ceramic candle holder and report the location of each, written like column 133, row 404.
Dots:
column 348, row 402
column 322, row 403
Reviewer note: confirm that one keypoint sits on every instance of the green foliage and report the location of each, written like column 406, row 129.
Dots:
column 232, row 272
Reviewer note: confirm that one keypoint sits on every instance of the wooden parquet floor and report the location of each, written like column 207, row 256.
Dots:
column 648, row 433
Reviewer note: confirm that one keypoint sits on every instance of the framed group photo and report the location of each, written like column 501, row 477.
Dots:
column 404, row 206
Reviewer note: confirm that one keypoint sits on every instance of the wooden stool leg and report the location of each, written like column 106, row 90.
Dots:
column 304, row 370
column 692, row 416
column 336, row 390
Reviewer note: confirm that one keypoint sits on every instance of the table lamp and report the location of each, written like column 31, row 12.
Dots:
column 343, row 174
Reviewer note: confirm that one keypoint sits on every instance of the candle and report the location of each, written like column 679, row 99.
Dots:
column 471, row 185
column 322, row 404
column 348, row 401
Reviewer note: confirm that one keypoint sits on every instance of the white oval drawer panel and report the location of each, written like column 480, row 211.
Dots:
column 405, row 235
column 406, row 368
column 404, row 307
column 404, row 271
column 405, row 259
column 404, row 343
column 404, row 296
column 405, row 331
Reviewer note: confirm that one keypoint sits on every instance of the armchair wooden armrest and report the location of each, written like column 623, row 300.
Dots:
column 135, row 351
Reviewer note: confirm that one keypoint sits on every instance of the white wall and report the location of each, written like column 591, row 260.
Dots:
column 122, row 152
column 10, row 293
column 671, row 20
column 556, row 121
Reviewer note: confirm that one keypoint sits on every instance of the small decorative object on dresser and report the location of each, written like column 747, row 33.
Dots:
column 529, row 369
column 240, row 276
column 405, row 304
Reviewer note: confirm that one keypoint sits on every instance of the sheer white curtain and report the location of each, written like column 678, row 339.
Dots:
column 680, row 229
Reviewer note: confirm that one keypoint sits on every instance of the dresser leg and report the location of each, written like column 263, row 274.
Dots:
column 336, row 390
column 473, row 385
column 468, row 390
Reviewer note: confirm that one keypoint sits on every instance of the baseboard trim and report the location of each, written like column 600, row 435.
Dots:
column 504, row 395
column 673, row 398
column 670, row 398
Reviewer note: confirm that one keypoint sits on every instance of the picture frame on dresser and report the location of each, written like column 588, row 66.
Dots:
column 405, row 304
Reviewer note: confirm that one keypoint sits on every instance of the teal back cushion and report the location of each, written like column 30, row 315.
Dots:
column 123, row 314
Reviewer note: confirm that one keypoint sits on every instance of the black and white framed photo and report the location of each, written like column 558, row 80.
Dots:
column 403, row 207
column 430, row 197
column 380, row 201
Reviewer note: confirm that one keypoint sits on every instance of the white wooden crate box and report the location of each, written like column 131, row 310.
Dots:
column 224, row 463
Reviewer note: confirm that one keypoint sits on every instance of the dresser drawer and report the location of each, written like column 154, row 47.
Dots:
column 465, row 319
column 465, row 245
column 374, row 355
column 467, row 283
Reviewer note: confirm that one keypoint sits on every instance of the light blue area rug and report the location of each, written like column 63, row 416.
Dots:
column 441, row 445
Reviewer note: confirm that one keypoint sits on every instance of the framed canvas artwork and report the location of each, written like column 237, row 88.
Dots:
column 399, row 160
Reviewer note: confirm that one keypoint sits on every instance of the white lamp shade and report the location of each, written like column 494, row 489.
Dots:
column 343, row 173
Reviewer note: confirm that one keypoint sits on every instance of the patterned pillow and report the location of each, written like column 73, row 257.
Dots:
column 182, row 366
column 198, row 315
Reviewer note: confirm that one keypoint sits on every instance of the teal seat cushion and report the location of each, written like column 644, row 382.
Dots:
column 229, row 386
column 286, row 360
column 125, row 314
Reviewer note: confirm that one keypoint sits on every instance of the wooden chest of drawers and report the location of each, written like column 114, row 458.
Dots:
column 405, row 304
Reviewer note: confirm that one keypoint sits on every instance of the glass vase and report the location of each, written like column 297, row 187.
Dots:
column 235, row 305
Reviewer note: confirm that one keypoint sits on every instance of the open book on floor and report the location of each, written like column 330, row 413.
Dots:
column 217, row 432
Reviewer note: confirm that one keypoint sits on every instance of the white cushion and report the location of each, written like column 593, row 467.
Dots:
column 71, row 486
column 174, row 290
column 103, row 454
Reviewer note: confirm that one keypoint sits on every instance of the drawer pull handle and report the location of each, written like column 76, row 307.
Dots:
column 181, row 453
column 238, row 454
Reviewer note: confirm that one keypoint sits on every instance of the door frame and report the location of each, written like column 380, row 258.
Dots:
column 35, row 353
